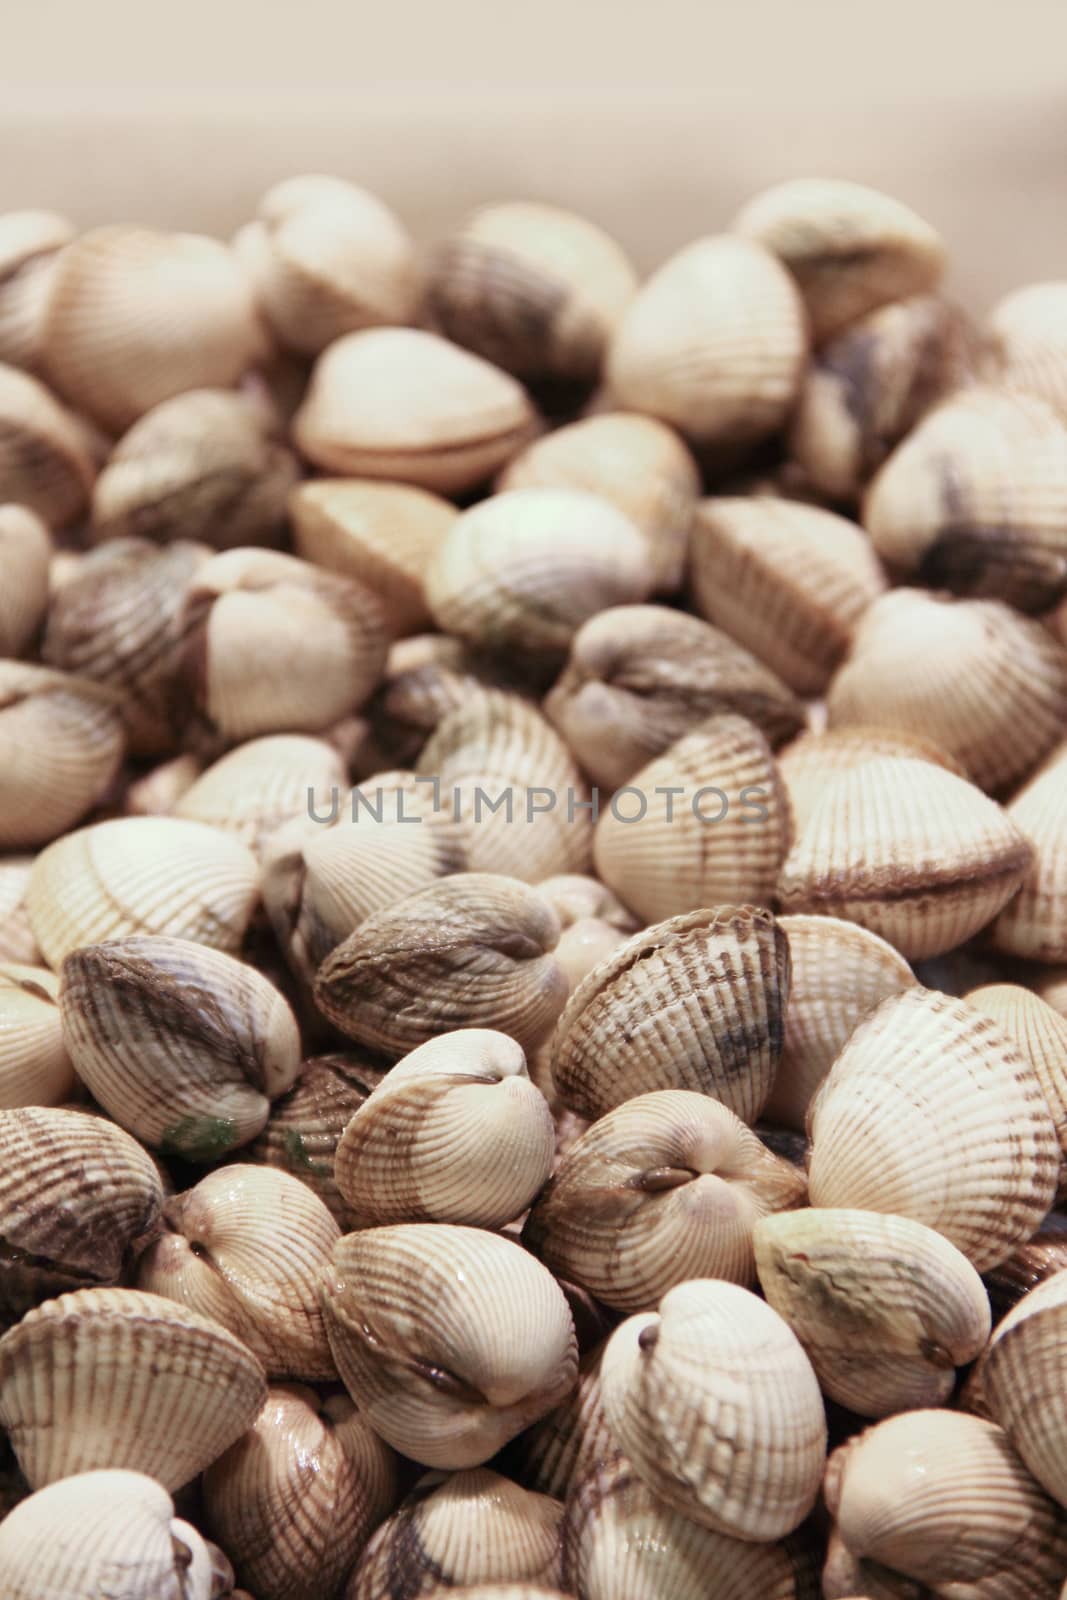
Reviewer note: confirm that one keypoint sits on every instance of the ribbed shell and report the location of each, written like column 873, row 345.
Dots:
column 719, row 838
column 885, row 1307
column 522, row 571
column 425, row 678
column 518, row 791
column 471, row 951
column 840, row 972
column 384, row 534
column 985, row 684
column 1034, row 924
column 16, row 936
column 1022, row 1381
column 182, row 1044
column 556, row 1453
column 404, row 404
column 35, row 1069
column 665, row 1188
column 1026, row 342
column 716, row 1405
column 911, row 852
column 451, row 1340
column 29, row 244
column 850, row 248
column 25, row 554
column 931, row 1112
column 714, row 343
column 697, row 1002
column 1041, row 1035
column 786, row 580
column 638, row 463
column 61, row 743
column 116, row 1378
column 1028, row 1265
column 78, row 1200
column 135, row 316
column 639, row 677
column 455, row 1132
column 452, row 1531
column 44, row 464
column 252, row 790
column 813, row 760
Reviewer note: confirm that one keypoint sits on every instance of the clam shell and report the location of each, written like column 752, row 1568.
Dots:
column 384, row 534
column 697, row 1002
column 294, row 1500
column 44, row 464
column 840, row 972
column 1026, row 343
column 252, row 791
column 78, row 1200
column 555, row 1454
column 455, row 1132
column 135, row 316
column 523, row 570
column 706, row 824
column 29, row 244
column 515, row 786
column 425, row 678
column 35, row 1069
column 469, row 951
column 404, row 404
column 812, row 760
column 639, row 464
column 198, row 466
column 536, row 289
column 665, row 1188
column 716, row 1405
column 639, row 677
column 1034, row 924
column 1028, row 1265
column 908, row 850
column 714, row 343
column 849, row 247
column 460, row 1529
column 930, row 1112
column 787, row 581
column 183, row 1045
column 451, row 1340
column 112, row 1533
column 16, row 936
column 1041, row 1035
column 61, row 744
column 584, row 945
column 576, row 899
column 1021, row 1376
column 975, row 500
column 885, row 1308
column 25, row 554
column 116, row 1378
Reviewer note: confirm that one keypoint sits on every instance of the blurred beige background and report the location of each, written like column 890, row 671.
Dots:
column 657, row 118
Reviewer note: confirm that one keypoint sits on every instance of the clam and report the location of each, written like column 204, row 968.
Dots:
column 975, row 500
column 472, row 951
column 840, row 972
column 273, row 644
column 716, row 1405
column 534, row 288
column 514, row 785
column 523, row 570
column 253, row 790
column 25, row 554
column 930, row 1112
column 1028, row 1265
column 44, row 464
column 404, row 404
column 584, row 944
column 451, row 1340
column 1034, row 924
column 1021, row 1375
column 714, row 343
column 707, row 823
column 1026, row 342
column 459, row 1529
column 425, row 678
column 245, row 1247
column 885, row 1307
column 868, row 387
column 1041, row 1035
column 135, row 316
column 849, row 247
column 118, row 621
column 61, row 744
column 638, row 463
column 326, row 258
column 384, row 534
column 29, row 244
column 696, row 1002
column 666, row 1187
column 554, row 1455
column 17, row 942
column 108, row 1533
column 810, row 762
column 198, row 466
column 294, row 1500
column 35, row 1069
column 639, row 677
column 786, row 580
column 180, row 1043
column 984, row 683
column 117, row 1378
column 79, row 1199
column 908, row 850
column 455, row 1132
column 576, row 899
